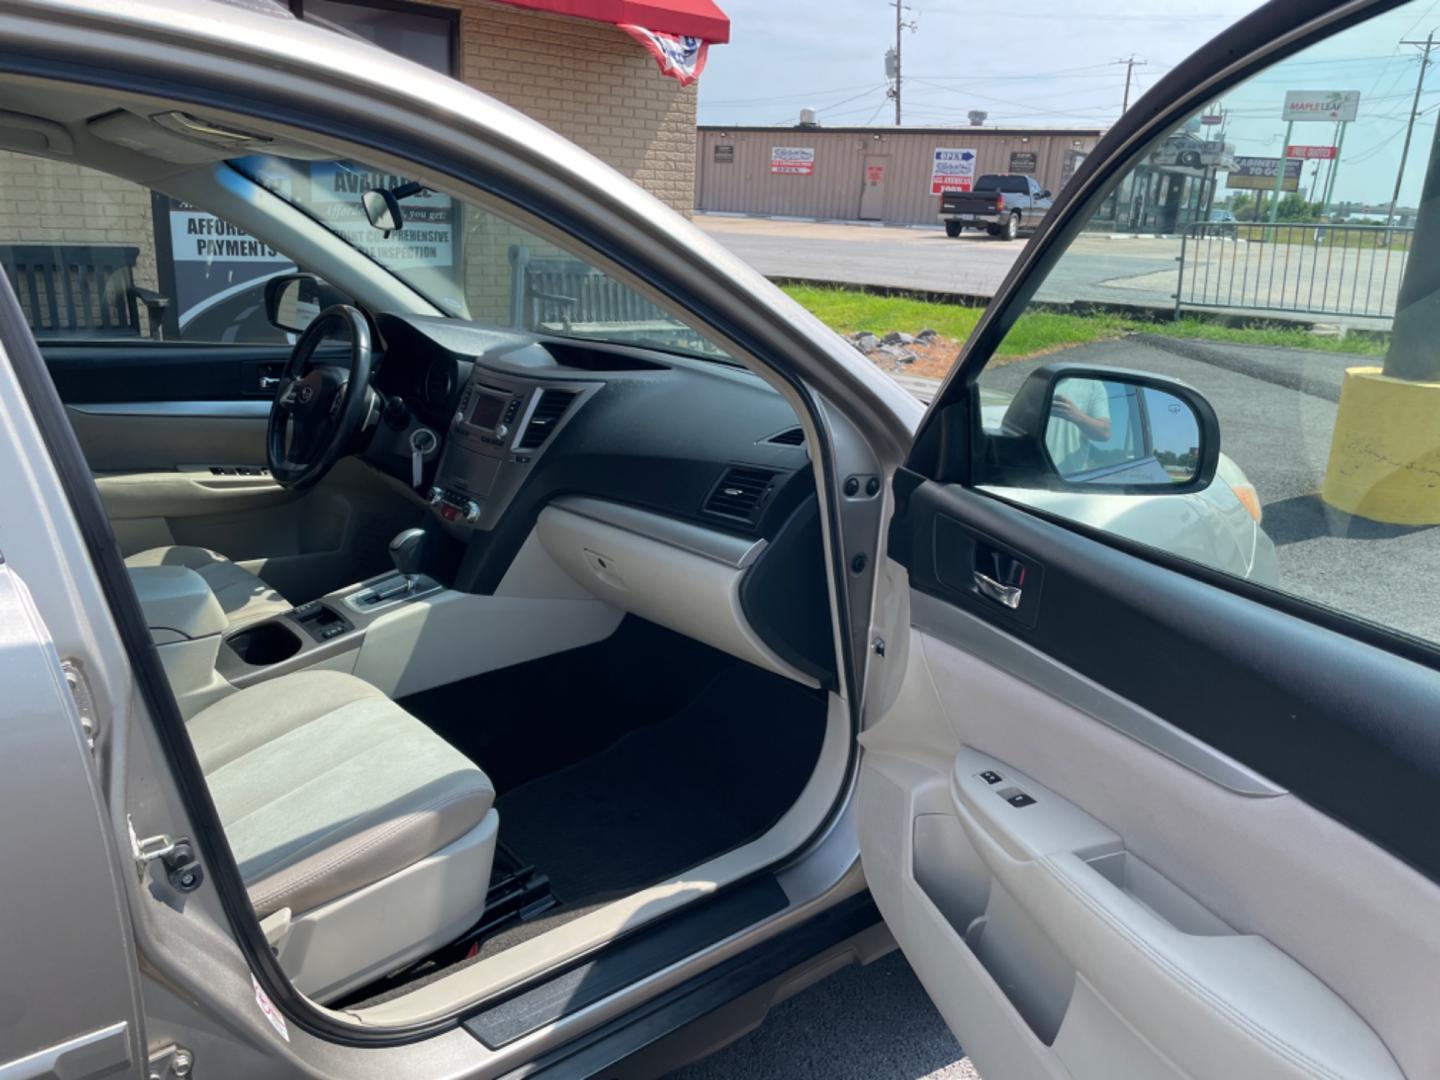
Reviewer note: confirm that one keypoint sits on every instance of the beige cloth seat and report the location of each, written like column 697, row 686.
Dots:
column 363, row 836
column 243, row 597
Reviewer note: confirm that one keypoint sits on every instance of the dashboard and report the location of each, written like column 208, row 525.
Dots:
column 506, row 425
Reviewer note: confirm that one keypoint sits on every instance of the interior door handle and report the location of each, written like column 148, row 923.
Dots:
column 1009, row 595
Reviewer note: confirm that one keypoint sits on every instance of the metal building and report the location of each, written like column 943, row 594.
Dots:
column 869, row 173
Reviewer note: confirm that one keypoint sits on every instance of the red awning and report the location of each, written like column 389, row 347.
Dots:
column 695, row 18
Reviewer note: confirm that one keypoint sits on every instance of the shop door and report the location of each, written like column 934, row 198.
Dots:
column 872, row 190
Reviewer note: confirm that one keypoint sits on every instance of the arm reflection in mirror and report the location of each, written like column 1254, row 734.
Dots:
column 1082, row 407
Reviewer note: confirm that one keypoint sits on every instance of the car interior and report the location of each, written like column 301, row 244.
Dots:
column 495, row 637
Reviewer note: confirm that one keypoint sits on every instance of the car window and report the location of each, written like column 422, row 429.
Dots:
column 472, row 263
column 93, row 257
column 1259, row 253
column 1013, row 184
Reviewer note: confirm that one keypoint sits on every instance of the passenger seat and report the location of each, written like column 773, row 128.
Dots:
column 364, row 838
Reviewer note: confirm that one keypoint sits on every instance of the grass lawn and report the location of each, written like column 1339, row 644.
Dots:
column 1040, row 332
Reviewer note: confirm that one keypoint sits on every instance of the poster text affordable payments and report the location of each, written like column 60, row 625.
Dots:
column 953, row 170
column 792, row 160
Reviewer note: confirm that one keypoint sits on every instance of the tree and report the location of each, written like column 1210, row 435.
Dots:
column 1242, row 205
column 1293, row 207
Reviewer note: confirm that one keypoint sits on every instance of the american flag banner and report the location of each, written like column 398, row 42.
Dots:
column 679, row 56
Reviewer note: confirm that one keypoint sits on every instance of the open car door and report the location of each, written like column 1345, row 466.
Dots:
column 1145, row 798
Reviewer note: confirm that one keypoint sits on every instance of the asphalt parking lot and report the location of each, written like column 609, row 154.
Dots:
column 862, row 1023
column 896, row 257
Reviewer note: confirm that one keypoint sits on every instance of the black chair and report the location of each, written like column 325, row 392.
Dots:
column 81, row 290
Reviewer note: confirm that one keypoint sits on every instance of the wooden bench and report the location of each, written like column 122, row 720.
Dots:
column 567, row 296
column 82, row 290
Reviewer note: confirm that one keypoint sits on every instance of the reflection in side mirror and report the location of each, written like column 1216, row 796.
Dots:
column 382, row 210
column 292, row 301
column 1112, row 432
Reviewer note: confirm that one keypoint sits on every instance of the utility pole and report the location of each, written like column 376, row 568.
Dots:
column 901, row 25
column 1427, row 45
column 1130, row 66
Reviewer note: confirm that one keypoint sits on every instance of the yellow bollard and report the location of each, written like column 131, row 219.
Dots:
column 1385, row 453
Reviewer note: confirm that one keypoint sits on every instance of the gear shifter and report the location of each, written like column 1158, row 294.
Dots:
column 406, row 551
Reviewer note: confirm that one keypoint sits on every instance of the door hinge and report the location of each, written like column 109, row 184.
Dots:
column 182, row 868
column 84, row 700
column 170, row 1063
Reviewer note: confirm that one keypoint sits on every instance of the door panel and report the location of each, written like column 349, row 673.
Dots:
column 71, row 1007
column 1189, row 894
column 155, row 420
column 146, row 370
column 163, row 435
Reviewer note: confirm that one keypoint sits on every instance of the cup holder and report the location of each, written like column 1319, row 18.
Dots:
column 265, row 644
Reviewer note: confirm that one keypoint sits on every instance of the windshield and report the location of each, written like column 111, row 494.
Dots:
column 473, row 264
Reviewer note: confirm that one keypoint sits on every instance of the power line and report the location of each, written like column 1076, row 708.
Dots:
column 771, row 99
column 1050, row 16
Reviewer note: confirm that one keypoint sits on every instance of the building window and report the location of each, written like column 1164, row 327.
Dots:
column 426, row 35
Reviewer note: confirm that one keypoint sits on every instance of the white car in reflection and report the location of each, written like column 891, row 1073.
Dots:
column 1219, row 527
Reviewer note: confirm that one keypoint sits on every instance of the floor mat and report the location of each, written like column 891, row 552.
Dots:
column 533, row 719
column 720, row 771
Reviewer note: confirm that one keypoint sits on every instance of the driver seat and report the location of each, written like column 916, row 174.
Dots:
column 243, row 597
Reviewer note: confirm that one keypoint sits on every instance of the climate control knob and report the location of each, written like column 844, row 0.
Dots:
column 436, row 496
column 472, row 512
column 501, row 430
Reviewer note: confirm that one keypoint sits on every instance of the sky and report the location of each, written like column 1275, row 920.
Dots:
column 1031, row 66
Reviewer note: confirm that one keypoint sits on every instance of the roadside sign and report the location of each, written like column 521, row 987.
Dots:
column 792, row 160
column 1329, row 106
column 1212, row 120
column 1022, row 161
column 1311, row 153
column 1258, row 174
column 874, row 174
column 952, row 170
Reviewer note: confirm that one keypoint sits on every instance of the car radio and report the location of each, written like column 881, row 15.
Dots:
column 489, row 412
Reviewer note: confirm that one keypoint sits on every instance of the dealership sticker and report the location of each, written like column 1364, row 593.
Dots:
column 271, row 1013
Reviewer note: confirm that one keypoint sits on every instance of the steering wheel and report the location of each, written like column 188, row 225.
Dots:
column 322, row 405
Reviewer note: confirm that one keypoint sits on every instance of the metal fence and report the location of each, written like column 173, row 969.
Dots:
column 1343, row 270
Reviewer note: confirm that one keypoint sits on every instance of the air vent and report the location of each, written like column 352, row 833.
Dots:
column 741, row 493
column 794, row 436
column 548, row 411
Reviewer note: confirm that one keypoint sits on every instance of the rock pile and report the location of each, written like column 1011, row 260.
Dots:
column 894, row 349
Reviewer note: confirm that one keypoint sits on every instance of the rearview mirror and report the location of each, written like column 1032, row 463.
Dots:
column 293, row 300
column 1104, row 430
column 382, row 210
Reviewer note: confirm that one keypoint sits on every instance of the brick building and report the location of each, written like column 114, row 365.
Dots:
column 565, row 63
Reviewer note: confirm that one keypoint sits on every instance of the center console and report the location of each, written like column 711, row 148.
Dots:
column 503, row 425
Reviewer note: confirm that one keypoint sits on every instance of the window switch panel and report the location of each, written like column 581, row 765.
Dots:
column 990, row 776
column 1020, row 799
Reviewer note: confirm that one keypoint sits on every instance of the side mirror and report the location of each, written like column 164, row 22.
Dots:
column 382, row 210
column 293, row 300
column 1045, row 194
column 1081, row 428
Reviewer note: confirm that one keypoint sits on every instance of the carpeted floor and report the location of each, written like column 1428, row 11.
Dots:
column 621, row 765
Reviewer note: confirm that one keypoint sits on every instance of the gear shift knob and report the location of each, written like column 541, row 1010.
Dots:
column 406, row 551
